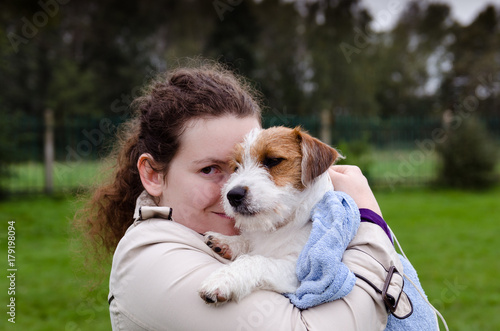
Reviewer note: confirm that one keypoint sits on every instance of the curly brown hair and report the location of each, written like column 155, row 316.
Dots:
column 159, row 119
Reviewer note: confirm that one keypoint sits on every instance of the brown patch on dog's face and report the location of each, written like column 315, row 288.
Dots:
column 291, row 156
column 278, row 150
column 236, row 157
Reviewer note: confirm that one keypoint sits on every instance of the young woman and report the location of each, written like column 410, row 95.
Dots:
column 174, row 153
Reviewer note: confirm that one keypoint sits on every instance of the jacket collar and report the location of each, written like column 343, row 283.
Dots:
column 146, row 208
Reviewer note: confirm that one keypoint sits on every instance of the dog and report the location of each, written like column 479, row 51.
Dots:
column 279, row 174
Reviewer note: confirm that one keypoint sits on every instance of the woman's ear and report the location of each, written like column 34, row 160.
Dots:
column 151, row 179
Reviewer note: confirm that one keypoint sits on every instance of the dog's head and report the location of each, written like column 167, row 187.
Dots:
column 273, row 168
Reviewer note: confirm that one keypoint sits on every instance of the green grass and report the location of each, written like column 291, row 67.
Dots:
column 67, row 176
column 52, row 287
column 449, row 236
column 396, row 168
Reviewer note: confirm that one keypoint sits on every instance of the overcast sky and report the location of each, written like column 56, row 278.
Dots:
column 386, row 12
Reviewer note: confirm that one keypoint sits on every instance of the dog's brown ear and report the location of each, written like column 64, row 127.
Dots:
column 317, row 156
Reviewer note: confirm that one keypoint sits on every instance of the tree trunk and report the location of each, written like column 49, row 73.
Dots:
column 49, row 150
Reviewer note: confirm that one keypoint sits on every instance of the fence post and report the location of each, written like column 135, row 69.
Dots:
column 326, row 127
column 49, row 150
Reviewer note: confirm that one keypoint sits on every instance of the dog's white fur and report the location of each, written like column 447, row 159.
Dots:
column 274, row 215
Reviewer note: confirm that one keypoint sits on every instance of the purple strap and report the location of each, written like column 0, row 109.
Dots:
column 368, row 215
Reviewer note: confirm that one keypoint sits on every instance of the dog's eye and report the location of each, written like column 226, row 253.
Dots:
column 270, row 162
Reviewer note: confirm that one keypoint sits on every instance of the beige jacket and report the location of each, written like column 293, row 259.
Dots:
column 159, row 265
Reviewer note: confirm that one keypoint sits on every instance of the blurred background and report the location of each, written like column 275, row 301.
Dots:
column 407, row 90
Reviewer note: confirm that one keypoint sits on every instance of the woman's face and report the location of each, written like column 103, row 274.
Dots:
column 200, row 169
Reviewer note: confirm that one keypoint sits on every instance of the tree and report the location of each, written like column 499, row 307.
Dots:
column 340, row 44
column 475, row 64
column 468, row 155
column 280, row 60
column 409, row 59
column 233, row 40
column 81, row 56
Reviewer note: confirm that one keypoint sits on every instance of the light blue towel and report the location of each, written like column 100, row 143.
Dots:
column 423, row 317
column 322, row 275
column 325, row 278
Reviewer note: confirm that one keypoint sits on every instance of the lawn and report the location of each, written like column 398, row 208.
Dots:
column 451, row 237
column 448, row 235
column 67, row 176
column 52, row 286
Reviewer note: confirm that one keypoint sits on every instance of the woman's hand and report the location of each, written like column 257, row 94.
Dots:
column 350, row 179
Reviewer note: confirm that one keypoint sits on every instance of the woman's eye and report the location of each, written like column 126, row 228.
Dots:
column 208, row 170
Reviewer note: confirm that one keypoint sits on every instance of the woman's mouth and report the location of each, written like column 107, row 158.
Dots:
column 223, row 215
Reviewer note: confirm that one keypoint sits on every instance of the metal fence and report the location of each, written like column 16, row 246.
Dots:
column 393, row 152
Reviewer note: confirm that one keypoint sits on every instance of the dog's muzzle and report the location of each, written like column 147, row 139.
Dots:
column 238, row 199
column 236, row 196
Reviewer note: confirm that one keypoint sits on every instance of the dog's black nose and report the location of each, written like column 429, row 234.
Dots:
column 236, row 195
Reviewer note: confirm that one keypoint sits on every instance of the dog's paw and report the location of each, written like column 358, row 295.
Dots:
column 212, row 297
column 216, row 242
column 218, row 288
column 232, row 281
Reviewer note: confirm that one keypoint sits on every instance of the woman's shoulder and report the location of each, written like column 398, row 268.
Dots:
column 153, row 225
column 159, row 231
column 152, row 238
column 159, row 242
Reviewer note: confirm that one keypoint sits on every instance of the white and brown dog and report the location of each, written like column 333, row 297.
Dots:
column 279, row 175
